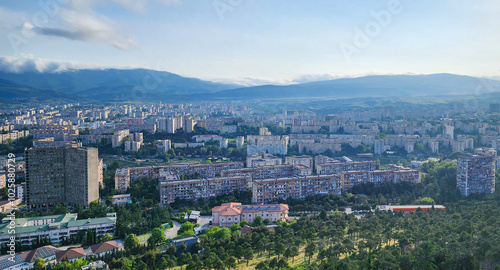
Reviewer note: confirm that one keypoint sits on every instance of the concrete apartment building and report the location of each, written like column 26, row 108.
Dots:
column 300, row 160
column 192, row 189
column 122, row 179
column 231, row 213
column 266, row 190
column 163, row 145
column 123, row 176
column 260, row 160
column 338, row 167
column 476, row 173
column 267, row 143
column 61, row 175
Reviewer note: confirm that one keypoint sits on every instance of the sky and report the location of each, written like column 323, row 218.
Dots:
column 253, row 42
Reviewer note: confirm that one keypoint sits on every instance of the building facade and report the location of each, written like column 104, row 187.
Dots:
column 231, row 213
column 476, row 174
column 61, row 175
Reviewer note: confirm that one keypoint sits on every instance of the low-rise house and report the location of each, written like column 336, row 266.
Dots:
column 106, row 247
column 26, row 260
column 121, row 199
column 6, row 205
column 70, row 254
column 188, row 241
column 194, row 216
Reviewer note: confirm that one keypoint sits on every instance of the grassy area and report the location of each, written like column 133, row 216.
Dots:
column 144, row 237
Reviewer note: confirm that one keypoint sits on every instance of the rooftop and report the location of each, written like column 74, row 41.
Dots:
column 53, row 222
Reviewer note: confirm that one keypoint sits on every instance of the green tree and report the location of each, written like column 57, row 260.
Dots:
column 235, row 227
column 231, row 262
column 157, row 237
column 257, row 221
column 186, row 229
column 309, row 250
column 248, row 254
column 162, row 264
column 294, row 252
column 141, row 265
column 107, row 237
column 170, row 263
column 39, row 264
column 131, row 242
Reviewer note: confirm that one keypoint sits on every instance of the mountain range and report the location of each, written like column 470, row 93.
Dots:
column 126, row 85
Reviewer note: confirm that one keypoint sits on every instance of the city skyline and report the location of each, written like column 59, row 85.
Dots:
column 253, row 42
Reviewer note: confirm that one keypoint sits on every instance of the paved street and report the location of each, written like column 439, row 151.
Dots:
column 204, row 223
column 172, row 232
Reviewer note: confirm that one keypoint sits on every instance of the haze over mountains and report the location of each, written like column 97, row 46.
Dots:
column 150, row 85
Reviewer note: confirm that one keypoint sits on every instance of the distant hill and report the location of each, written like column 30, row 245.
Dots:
column 118, row 85
column 93, row 82
column 369, row 86
column 11, row 92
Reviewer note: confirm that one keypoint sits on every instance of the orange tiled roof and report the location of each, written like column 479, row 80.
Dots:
column 104, row 247
column 227, row 209
column 70, row 254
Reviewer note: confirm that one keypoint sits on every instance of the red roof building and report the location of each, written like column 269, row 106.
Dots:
column 231, row 213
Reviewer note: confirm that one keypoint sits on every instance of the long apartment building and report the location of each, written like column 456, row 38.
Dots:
column 192, row 189
column 123, row 176
column 58, row 132
column 300, row 187
column 57, row 228
column 266, row 190
column 338, row 167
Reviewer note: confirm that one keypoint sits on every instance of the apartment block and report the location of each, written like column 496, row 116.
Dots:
column 300, row 160
column 122, row 179
column 276, row 145
column 163, row 145
column 61, row 175
column 265, row 172
column 338, row 167
column 193, row 189
column 476, row 174
column 261, row 160
column 123, row 176
column 240, row 141
column 266, row 190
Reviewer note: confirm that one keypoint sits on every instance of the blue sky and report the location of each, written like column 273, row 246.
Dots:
column 254, row 41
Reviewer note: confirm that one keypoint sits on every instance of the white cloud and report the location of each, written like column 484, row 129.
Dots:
column 315, row 77
column 304, row 78
column 87, row 26
column 28, row 63
column 140, row 6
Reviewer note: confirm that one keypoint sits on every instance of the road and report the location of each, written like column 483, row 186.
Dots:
column 204, row 222
column 172, row 232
